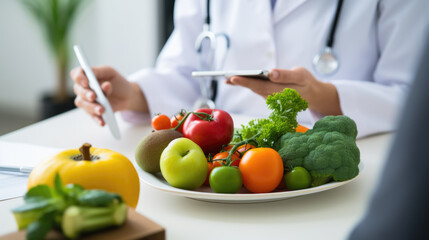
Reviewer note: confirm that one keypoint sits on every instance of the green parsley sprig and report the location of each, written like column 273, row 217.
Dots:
column 285, row 106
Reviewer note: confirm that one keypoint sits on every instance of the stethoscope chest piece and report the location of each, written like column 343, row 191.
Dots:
column 326, row 62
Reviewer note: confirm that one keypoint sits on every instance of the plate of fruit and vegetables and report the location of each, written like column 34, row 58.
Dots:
column 265, row 157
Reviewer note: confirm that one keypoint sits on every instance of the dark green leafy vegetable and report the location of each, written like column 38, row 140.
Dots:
column 328, row 151
column 46, row 208
column 97, row 198
column 38, row 229
column 41, row 191
column 285, row 107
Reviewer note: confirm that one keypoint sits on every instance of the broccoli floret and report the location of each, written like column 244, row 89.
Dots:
column 342, row 124
column 297, row 150
column 328, row 151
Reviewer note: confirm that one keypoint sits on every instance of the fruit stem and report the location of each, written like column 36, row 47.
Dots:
column 85, row 151
column 228, row 159
column 201, row 115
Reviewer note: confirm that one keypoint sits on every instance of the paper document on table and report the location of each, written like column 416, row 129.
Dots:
column 19, row 155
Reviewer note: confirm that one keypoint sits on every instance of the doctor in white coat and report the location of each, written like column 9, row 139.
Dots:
column 377, row 44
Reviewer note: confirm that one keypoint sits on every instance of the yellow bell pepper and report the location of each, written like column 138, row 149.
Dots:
column 92, row 168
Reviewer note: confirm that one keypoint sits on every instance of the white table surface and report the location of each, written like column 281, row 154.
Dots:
column 325, row 215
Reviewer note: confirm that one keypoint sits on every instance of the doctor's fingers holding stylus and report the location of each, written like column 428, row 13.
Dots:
column 120, row 92
column 321, row 97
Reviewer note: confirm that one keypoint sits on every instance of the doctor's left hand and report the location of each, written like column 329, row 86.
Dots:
column 321, row 97
column 122, row 94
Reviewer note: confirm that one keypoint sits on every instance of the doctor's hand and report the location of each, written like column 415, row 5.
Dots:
column 321, row 97
column 122, row 94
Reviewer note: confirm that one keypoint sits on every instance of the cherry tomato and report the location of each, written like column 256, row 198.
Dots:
column 225, row 179
column 210, row 168
column 301, row 128
column 241, row 149
column 234, row 158
column 160, row 122
column 210, row 135
column 176, row 119
column 281, row 185
column 298, row 178
column 261, row 169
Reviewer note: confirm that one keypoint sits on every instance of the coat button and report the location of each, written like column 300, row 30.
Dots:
column 270, row 55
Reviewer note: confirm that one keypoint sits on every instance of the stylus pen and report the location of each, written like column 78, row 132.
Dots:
column 21, row 169
column 108, row 114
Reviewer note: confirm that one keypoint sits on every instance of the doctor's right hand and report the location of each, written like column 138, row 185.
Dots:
column 322, row 97
column 118, row 90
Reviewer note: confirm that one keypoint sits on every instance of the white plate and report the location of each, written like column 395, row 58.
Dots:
column 205, row 193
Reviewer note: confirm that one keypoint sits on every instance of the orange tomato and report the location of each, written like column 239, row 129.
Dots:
column 160, row 122
column 234, row 158
column 301, row 128
column 261, row 170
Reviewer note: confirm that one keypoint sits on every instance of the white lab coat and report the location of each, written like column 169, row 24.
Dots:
column 378, row 44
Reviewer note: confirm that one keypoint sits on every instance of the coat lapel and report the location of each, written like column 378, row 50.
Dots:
column 285, row 7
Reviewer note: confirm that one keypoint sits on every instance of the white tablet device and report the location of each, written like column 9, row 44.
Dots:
column 259, row 74
column 108, row 114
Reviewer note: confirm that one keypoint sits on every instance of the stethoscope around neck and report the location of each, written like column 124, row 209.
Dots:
column 326, row 62
column 209, row 46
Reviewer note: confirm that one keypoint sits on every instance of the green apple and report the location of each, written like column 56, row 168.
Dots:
column 183, row 164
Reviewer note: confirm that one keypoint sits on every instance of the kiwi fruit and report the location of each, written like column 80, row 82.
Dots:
column 149, row 149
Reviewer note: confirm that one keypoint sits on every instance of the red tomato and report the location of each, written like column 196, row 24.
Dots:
column 282, row 185
column 210, row 168
column 175, row 121
column 222, row 155
column 160, row 122
column 209, row 135
column 241, row 149
column 261, row 170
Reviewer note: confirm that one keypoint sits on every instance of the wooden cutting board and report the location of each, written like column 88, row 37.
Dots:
column 136, row 226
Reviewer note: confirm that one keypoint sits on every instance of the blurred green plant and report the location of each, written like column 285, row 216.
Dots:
column 56, row 18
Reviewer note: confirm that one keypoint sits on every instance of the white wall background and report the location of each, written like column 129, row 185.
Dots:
column 120, row 33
